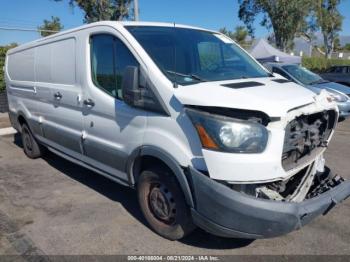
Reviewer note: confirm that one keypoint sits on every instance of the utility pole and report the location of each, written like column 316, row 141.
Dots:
column 136, row 10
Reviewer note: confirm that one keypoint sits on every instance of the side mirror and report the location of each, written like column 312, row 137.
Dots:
column 130, row 86
column 136, row 93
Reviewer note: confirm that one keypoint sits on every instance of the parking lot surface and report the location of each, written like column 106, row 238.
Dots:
column 51, row 206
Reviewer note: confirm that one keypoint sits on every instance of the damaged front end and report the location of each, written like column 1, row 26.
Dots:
column 273, row 208
column 261, row 211
column 306, row 184
column 305, row 138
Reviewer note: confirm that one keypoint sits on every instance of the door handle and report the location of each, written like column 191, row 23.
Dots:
column 89, row 102
column 58, row 96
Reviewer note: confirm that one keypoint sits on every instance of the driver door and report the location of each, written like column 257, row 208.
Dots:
column 112, row 129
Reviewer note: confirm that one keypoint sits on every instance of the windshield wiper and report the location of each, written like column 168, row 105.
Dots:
column 193, row 76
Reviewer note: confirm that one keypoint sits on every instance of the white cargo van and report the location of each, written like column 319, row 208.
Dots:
column 203, row 132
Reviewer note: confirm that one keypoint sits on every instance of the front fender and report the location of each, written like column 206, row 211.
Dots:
column 166, row 158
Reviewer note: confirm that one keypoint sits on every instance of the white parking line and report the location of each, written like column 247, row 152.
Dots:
column 7, row 131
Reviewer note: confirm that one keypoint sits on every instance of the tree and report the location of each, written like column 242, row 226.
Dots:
column 99, row 10
column 239, row 35
column 50, row 26
column 337, row 45
column 346, row 47
column 285, row 17
column 330, row 22
column 3, row 50
column 226, row 32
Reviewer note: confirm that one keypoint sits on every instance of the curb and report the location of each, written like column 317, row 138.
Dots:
column 7, row 131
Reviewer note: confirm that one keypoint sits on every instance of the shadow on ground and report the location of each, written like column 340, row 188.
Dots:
column 128, row 198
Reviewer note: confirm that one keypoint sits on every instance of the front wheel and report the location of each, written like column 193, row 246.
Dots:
column 163, row 204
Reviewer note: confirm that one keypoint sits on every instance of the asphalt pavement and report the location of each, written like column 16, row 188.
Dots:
column 51, row 206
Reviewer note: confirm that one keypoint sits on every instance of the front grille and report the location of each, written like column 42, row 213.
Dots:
column 305, row 136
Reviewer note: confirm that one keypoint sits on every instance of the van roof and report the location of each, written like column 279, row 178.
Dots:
column 101, row 23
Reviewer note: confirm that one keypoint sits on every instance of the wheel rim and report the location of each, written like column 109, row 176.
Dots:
column 162, row 203
column 27, row 141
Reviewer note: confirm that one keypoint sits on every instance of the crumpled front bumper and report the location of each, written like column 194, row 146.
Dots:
column 228, row 213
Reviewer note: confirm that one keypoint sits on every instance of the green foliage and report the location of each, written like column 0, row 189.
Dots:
column 3, row 50
column 224, row 31
column 337, row 45
column 51, row 26
column 320, row 64
column 347, row 47
column 329, row 21
column 239, row 35
column 286, row 17
column 103, row 9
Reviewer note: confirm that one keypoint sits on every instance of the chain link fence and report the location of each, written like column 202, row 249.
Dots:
column 3, row 102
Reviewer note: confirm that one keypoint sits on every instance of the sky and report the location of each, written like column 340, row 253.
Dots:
column 211, row 14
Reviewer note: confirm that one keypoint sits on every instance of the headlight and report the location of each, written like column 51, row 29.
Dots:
column 337, row 96
column 227, row 134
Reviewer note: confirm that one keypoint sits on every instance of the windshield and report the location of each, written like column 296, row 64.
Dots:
column 189, row 56
column 303, row 75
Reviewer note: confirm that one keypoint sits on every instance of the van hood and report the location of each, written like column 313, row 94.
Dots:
column 260, row 94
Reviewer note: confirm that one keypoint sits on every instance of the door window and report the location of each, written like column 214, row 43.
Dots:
column 109, row 59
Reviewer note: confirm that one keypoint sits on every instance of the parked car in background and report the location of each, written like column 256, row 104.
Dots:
column 316, row 83
column 338, row 74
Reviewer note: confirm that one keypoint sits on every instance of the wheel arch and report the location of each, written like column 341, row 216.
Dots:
column 21, row 119
column 155, row 155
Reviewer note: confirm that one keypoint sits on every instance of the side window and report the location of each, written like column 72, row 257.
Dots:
column 330, row 70
column 339, row 70
column 123, row 59
column 102, row 63
column 109, row 59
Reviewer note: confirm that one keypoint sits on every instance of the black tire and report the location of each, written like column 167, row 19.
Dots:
column 31, row 147
column 341, row 119
column 169, row 216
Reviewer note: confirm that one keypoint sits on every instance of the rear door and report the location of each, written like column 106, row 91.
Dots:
column 21, row 88
column 112, row 129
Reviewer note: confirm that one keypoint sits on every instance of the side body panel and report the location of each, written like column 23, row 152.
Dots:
column 21, row 87
column 62, row 115
column 112, row 129
column 339, row 74
column 103, row 136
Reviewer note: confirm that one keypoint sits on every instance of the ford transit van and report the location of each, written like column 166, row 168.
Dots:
column 205, row 135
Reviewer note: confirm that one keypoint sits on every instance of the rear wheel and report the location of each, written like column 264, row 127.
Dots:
column 30, row 146
column 163, row 204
